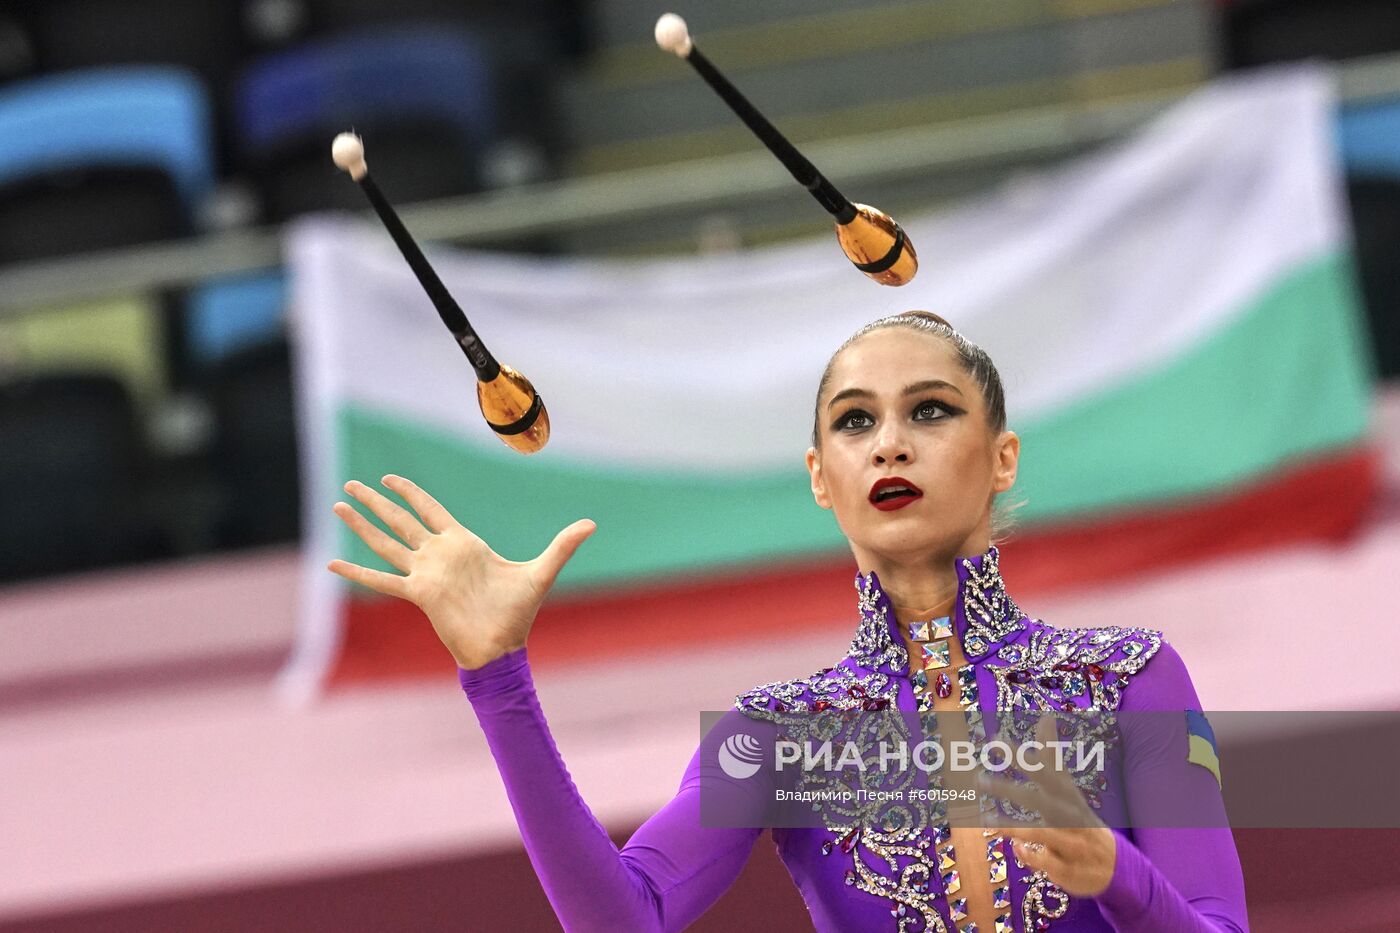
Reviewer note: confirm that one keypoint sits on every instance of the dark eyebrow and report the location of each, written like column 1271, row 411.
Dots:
column 911, row 389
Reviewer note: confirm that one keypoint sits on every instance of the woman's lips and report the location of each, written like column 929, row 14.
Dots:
column 908, row 493
column 896, row 502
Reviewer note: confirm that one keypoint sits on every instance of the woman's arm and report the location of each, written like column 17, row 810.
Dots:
column 669, row 872
column 1171, row 878
column 483, row 606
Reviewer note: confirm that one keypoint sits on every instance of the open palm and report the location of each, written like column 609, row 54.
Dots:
column 480, row 604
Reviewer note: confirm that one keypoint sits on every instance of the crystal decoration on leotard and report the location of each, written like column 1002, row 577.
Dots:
column 934, row 640
column 951, row 883
column 1029, row 665
column 935, row 655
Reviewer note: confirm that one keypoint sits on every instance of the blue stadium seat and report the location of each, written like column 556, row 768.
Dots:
column 119, row 116
column 100, row 158
column 229, row 315
column 422, row 97
column 1369, row 135
column 1369, row 141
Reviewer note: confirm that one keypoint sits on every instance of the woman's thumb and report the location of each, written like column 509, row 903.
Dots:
column 565, row 543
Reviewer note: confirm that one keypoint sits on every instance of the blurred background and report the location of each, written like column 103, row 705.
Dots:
column 153, row 156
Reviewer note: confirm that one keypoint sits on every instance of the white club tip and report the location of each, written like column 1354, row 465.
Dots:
column 348, row 153
column 673, row 35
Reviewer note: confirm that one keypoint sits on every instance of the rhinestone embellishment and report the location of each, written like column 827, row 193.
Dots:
column 1057, row 669
column 935, row 655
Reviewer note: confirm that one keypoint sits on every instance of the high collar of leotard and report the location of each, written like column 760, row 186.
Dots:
column 983, row 614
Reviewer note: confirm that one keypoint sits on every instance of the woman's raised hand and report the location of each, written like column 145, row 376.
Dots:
column 481, row 605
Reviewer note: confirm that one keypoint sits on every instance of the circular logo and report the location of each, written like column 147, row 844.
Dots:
column 740, row 756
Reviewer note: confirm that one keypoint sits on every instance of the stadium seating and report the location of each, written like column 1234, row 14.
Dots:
column 553, row 25
column 232, row 314
column 1369, row 137
column 255, row 450
column 101, row 158
column 423, row 98
column 71, row 475
column 203, row 37
column 17, row 57
column 121, row 336
column 1255, row 32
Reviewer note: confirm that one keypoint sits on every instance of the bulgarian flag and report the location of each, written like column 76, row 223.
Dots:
column 1176, row 320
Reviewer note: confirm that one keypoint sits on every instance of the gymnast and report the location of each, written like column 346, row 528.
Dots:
column 910, row 451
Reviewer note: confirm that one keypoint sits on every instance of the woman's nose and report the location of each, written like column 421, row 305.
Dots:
column 891, row 445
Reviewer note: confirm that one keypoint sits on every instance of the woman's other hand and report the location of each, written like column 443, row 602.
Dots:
column 1069, row 842
column 481, row 605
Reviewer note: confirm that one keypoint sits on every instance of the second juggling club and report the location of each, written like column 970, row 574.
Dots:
column 508, row 400
column 868, row 236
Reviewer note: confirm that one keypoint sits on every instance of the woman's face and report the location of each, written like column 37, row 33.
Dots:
column 899, row 404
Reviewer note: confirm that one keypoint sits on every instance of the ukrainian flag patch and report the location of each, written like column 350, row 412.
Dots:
column 1201, row 749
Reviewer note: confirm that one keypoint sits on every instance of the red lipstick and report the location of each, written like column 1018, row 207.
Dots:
column 893, row 492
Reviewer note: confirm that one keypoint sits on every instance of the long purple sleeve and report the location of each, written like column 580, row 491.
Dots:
column 669, row 872
column 1171, row 878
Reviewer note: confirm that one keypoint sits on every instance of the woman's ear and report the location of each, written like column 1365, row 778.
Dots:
column 814, row 469
column 1008, row 456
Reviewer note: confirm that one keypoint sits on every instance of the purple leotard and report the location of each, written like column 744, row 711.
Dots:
column 1165, row 879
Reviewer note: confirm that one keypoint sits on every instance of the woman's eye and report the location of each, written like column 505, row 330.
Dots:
column 930, row 407
column 854, row 419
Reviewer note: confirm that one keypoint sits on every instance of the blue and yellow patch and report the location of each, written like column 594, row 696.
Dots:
column 1201, row 749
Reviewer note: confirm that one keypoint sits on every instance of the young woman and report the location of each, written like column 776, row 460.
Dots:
column 909, row 451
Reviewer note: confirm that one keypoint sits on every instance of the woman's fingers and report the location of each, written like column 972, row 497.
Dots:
column 432, row 512
column 387, row 583
column 557, row 554
column 995, row 820
column 386, row 547
column 1025, row 796
column 1035, row 855
column 1058, row 779
column 395, row 516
